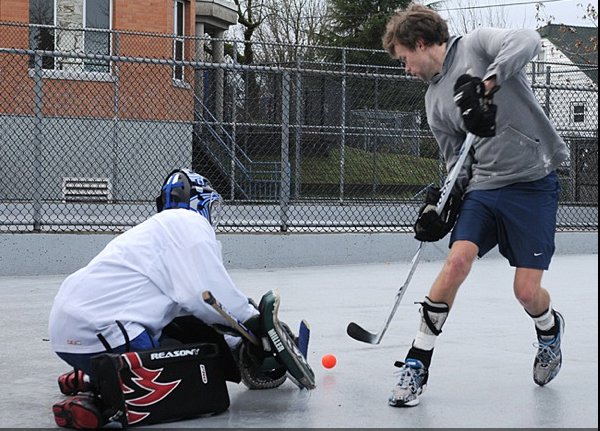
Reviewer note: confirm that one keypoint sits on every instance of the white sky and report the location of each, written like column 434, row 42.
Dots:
column 518, row 13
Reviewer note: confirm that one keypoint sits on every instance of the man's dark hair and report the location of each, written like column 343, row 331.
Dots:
column 415, row 24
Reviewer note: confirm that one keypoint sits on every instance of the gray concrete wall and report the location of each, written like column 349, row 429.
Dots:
column 85, row 147
column 55, row 254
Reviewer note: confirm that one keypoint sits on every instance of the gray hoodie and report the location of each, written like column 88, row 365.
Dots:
column 526, row 146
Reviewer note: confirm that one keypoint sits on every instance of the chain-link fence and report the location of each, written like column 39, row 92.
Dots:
column 315, row 139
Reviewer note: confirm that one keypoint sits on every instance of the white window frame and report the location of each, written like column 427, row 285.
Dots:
column 79, row 74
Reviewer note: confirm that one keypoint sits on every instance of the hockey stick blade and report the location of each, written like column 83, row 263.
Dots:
column 360, row 334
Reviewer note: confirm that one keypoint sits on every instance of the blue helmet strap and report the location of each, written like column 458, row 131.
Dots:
column 173, row 192
column 189, row 192
column 168, row 189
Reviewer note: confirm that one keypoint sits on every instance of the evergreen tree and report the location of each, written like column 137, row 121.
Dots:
column 359, row 23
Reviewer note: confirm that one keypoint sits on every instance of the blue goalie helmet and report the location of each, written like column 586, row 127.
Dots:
column 184, row 188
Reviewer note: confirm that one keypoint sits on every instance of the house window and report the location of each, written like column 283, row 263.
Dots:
column 41, row 34
column 540, row 65
column 578, row 110
column 97, row 35
column 81, row 26
column 179, row 25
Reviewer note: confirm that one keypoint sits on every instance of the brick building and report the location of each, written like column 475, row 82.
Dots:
column 105, row 115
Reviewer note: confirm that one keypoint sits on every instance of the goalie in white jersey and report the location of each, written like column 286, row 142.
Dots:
column 131, row 295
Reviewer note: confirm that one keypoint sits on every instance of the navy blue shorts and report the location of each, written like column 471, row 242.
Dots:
column 82, row 361
column 519, row 218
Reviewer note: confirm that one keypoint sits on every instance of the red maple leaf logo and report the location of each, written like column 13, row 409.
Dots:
column 145, row 378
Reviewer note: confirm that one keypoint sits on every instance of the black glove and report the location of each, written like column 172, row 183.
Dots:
column 430, row 226
column 477, row 109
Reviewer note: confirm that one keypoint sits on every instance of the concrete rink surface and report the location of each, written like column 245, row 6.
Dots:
column 481, row 375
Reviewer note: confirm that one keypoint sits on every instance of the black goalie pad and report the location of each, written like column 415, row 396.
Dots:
column 190, row 330
column 161, row 385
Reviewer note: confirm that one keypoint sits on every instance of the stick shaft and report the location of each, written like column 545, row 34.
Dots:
column 453, row 175
column 356, row 331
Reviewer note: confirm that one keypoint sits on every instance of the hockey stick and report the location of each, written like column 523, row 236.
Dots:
column 356, row 331
column 208, row 297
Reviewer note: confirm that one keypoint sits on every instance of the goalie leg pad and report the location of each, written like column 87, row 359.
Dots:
column 162, row 385
column 190, row 330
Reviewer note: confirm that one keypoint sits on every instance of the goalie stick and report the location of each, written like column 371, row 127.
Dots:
column 238, row 328
column 359, row 333
column 208, row 297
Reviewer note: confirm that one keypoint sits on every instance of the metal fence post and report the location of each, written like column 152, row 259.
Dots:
column 547, row 104
column 115, row 143
column 343, row 121
column 285, row 151
column 37, row 140
column 234, row 97
column 298, row 128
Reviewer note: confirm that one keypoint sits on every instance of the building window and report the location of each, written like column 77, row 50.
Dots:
column 81, row 26
column 578, row 112
column 97, row 33
column 41, row 34
column 179, row 32
column 540, row 64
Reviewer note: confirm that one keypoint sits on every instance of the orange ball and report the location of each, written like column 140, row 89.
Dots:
column 328, row 361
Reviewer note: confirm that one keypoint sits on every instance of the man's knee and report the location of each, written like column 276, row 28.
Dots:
column 458, row 265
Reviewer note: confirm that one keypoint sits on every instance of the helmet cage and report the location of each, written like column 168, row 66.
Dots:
column 209, row 204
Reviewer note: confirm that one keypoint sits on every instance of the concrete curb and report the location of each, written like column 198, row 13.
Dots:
column 55, row 254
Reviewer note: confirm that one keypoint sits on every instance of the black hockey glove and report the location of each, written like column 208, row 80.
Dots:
column 477, row 109
column 430, row 226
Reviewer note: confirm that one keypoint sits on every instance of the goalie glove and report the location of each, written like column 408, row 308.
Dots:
column 259, row 368
column 477, row 108
column 431, row 226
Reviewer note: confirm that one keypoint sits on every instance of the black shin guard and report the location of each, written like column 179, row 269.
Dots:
column 434, row 315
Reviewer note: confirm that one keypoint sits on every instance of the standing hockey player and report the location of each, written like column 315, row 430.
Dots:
column 507, row 194
column 146, row 288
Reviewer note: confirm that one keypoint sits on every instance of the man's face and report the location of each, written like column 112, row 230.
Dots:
column 418, row 62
